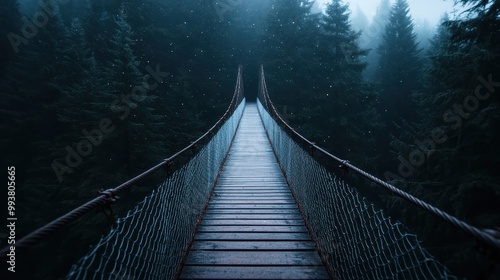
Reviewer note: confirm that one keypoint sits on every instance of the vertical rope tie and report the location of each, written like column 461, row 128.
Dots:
column 106, row 208
column 345, row 169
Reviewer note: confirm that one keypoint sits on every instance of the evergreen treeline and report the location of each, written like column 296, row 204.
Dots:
column 94, row 92
column 97, row 91
column 425, row 120
column 449, row 152
column 314, row 72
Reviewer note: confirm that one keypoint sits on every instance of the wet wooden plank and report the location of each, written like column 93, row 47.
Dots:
column 253, row 245
column 246, row 198
column 253, row 216
column 253, row 201
column 253, row 211
column 267, row 187
column 260, row 192
column 252, row 206
column 253, row 236
column 242, row 272
column 247, row 194
column 251, row 222
column 252, row 228
column 253, row 258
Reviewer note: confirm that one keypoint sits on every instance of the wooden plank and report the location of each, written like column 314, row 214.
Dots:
column 250, row 206
column 253, row 228
column 254, row 216
column 253, row 236
column 254, row 188
column 244, row 174
column 250, row 198
column 250, row 191
column 242, row 272
column 253, row 194
column 221, row 192
column 253, row 201
column 253, row 245
column 253, row 211
column 251, row 222
column 257, row 170
column 253, row 258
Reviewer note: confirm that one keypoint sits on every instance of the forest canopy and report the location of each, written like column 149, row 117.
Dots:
column 141, row 79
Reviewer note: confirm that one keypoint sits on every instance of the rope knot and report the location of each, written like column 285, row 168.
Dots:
column 111, row 198
column 345, row 169
column 312, row 148
column 167, row 167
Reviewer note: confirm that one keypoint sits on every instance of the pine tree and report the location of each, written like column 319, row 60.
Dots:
column 450, row 104
column 133, row 144
column 482, row 24
column 99, row 26
column 70, row 78
column 288, row 59
column 399, row 65
column 360, row 21
column 342, row 99
column 372, row 38
column 342, row 57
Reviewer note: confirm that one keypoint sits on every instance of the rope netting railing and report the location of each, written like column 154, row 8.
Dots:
column 356, row 240
column 150, row 241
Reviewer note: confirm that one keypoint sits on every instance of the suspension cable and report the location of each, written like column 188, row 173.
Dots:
column 483, row 236
column 105, row 196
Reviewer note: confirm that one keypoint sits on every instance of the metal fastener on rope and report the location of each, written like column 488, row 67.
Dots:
column 312, row 148
column 167, row 167
column 344, row 168
column 106, row 208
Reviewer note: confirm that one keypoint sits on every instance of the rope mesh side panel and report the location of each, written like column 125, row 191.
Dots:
column 355, row 240
column 150, row 241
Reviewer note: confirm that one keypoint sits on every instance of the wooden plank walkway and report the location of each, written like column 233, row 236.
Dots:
column 252, row 228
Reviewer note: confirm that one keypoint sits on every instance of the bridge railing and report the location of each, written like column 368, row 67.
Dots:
column 151, row 239
column 356, row 240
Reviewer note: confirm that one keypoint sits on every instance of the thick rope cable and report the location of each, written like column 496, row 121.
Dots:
column 481, row 235
column 113, row 193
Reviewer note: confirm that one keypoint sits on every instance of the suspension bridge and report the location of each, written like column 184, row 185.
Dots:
column 253, row 202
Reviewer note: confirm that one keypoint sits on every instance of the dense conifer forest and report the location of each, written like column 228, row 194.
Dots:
column 141, row 79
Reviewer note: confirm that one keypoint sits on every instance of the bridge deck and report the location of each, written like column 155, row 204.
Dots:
column 252, row 228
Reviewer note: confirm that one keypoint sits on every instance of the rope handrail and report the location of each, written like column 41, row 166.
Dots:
column 108, row 194
column 482, row 236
